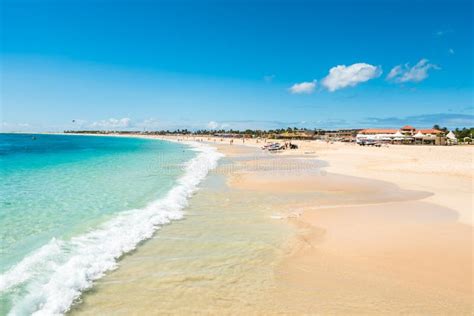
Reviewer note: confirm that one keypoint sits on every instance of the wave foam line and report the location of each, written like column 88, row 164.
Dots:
column 57, row 274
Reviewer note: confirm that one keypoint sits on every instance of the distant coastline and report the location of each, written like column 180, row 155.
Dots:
column 405, row 135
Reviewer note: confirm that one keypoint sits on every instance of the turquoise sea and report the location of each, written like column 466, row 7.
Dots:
column 70, row 206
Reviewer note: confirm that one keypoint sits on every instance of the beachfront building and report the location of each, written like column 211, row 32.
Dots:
column 405, row 135
column 408, row 130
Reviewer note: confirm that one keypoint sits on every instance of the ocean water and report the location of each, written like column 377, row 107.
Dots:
column 71, row 206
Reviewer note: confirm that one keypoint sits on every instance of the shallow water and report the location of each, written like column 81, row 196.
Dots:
column 220, row 257
column 71, row 205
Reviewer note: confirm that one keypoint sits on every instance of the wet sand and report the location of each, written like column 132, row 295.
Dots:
column 288, row 234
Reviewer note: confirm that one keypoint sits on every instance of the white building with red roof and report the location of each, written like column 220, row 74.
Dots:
column 407, row 135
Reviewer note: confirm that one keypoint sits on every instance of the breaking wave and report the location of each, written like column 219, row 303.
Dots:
column 55, row 275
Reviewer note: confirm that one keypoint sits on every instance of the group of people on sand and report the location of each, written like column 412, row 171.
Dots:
column 232, row 141
column 290, row 145
column 286, row 145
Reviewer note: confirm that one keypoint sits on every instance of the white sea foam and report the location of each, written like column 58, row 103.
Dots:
column 57, row 274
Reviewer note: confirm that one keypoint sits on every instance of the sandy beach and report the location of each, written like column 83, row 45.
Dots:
column 403, row 244
column 349, row 229
column 237, row 157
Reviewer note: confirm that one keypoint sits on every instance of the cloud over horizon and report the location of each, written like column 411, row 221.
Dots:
column 112, row 123
column 417, row 73
column 212, row 125
column 450, row 120
column 343, row 76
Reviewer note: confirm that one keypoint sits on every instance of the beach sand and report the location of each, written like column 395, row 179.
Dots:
column 398, row 240
column 325, row 229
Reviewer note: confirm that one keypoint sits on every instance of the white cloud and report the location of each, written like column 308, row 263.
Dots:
column 217, row 125
column 17, row 127
column 212, row 125
column 397, row 70
column 112, row 123
column 451, row 51
column 417, row 73
column 343, row 76
column 303, row 87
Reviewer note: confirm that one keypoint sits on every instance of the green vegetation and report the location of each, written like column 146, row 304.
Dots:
column 465, row 134
column 439, row 128
column 241, row 133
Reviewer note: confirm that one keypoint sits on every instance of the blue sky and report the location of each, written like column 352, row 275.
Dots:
column 235, row 64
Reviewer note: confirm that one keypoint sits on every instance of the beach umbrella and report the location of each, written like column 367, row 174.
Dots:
column 398, row 134
column 419, row 135
column 451, row 135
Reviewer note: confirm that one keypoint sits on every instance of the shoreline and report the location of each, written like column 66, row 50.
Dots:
column 399, row 242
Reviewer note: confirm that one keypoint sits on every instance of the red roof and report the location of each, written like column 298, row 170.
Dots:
column 430, row 131
column 408, row 127
column 378, row 131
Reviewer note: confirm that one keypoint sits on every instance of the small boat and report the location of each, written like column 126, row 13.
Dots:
column 275, row 147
